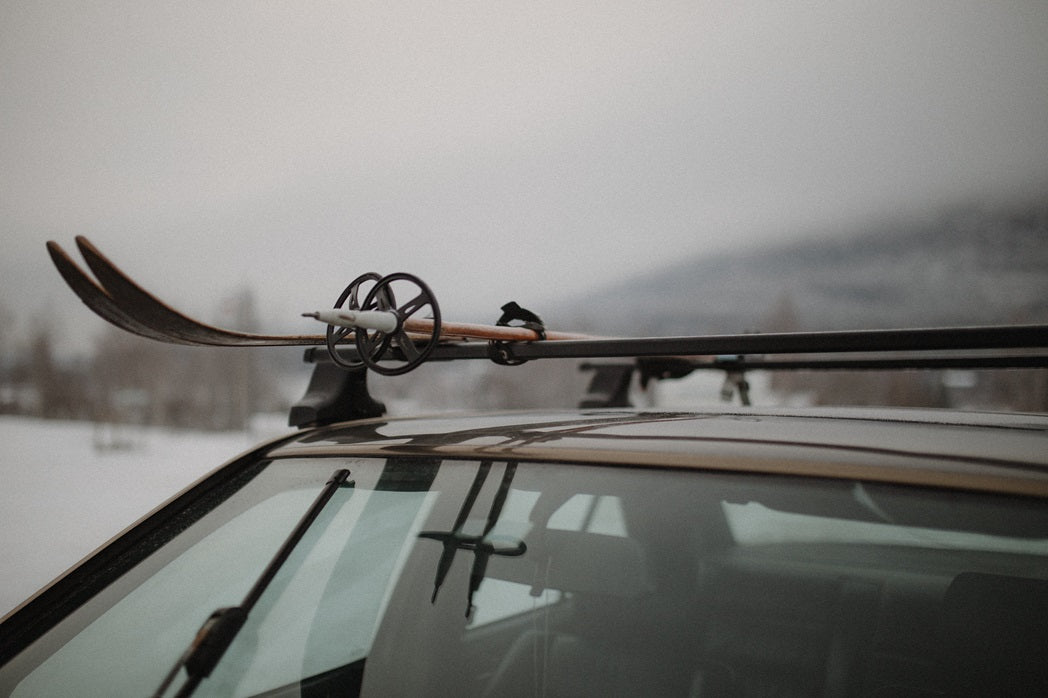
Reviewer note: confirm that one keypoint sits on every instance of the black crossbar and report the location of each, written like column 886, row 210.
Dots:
column 873, row 349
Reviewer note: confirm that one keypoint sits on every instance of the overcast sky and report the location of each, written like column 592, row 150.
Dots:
column 500, row 150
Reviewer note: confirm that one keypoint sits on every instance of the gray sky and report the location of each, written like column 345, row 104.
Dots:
column 524, row 151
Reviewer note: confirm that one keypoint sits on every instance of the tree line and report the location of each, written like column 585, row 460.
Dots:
column 128, row 379
column 131, row 380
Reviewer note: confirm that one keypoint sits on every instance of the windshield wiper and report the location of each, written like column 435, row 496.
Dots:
column 481, row 546
column 219, row 630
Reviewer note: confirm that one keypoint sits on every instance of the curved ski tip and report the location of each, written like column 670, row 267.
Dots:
column 68, row 268
column 106, row 271
column 58, row 255
column 87, row 247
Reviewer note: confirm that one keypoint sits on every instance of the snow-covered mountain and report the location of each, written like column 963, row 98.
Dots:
column 968, row 267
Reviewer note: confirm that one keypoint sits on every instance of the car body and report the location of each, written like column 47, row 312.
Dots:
column 739, row 551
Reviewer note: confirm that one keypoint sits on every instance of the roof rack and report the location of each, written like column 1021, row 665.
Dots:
column 661, row 358
column 368, row 328
column 995, row 346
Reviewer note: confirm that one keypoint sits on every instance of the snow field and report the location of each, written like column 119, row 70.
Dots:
column 68, row 487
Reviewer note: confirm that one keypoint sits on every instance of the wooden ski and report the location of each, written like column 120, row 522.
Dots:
column 147, row 310
column 99, row 301
column 394, row 335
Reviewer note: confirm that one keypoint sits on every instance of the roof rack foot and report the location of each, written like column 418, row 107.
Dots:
column 610, row 385
column 334, row 395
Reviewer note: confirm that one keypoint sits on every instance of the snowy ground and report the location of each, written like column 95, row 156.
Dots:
column 68, row 487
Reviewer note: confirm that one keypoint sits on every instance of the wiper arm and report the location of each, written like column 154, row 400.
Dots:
column 482, row 548
column 219, row 630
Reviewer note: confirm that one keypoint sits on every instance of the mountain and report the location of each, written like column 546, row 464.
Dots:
column 969, row 267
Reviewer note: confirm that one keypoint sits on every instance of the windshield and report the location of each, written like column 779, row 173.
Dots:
column 496, row 578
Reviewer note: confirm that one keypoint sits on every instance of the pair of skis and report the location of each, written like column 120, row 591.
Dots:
column 116, row 298
column 394, row 337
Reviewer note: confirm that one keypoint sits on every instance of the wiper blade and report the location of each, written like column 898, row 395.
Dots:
column 481, row 547
column 219, row 630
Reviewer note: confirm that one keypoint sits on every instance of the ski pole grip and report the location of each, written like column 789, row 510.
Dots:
column 378, row 320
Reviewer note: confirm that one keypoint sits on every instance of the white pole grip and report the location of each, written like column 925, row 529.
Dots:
column 379, row 320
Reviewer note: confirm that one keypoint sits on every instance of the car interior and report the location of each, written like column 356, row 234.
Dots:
column 680, row 607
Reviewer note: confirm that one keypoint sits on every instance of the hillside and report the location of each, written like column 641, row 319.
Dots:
column 970, row 267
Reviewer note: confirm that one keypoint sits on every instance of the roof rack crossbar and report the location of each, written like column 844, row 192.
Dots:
column 872, row 348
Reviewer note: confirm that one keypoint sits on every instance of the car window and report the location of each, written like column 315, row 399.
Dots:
column 754, row 524
column 497, row 599
column 651, row 582
column 293, row 631
column 593, row 513
column 493, row 578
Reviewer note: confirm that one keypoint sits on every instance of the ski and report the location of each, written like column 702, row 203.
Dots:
column 99, row 301
column 148, row 310
column 118, row 299
column 702, row 355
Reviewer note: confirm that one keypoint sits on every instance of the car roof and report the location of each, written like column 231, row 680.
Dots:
column 993, row 452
